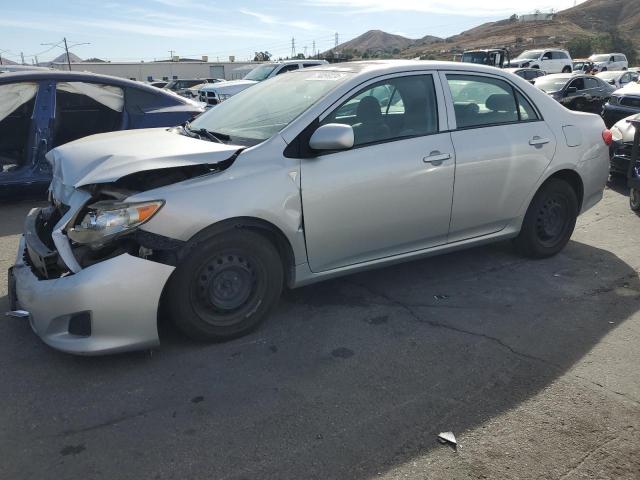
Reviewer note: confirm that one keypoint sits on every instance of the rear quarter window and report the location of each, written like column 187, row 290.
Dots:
column 142, row 101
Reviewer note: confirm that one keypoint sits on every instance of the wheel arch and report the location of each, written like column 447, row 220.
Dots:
column 263, row 227
column 574, row 179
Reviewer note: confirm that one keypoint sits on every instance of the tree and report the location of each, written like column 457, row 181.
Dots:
column 262, row 56
column 580, row 47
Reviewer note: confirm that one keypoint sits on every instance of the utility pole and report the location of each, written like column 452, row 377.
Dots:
column 22, row 57
column 337, row 40
column 313, row 52
column 305, row 51
column 171, row 55
column 66, row 49
column 37, row 62
column 293, row 47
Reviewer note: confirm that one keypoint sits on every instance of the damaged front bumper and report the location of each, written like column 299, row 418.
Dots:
column 108, row 307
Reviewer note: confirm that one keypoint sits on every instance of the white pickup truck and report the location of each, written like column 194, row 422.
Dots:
column 212, row 94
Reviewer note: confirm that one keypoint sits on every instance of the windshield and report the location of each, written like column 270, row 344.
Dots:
column 599, row 58
column 258, row 74
column 259, row 112
column 475, row 57
column 530, row 54
column 551, row 84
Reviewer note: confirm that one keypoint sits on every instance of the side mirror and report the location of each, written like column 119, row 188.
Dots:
column 332, row 136
column 571, row 90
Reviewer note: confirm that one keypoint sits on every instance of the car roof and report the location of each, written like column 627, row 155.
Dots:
column 61, row 76
column 380, row 67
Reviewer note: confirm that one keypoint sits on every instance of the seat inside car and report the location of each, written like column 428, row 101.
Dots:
column 370, row 126
column 502, row 109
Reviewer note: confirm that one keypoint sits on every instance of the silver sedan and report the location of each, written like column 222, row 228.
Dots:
column 304, row 177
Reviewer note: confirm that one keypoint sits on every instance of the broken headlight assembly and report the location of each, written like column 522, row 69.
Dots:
column 106, row 220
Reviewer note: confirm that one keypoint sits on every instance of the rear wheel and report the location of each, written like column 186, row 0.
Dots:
column 549, row 221
column 566, row 69
column 225, row 286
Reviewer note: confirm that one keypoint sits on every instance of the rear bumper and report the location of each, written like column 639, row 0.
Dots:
column 119, row 296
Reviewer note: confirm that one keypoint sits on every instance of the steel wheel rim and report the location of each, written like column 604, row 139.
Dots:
column 223, row 286
column 552, row 220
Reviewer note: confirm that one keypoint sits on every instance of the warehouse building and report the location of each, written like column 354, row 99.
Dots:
column 164, row 70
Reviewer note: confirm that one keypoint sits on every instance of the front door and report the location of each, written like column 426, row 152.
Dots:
column 391, row 193
column 502, row 148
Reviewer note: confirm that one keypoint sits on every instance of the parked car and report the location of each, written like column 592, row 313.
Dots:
column 623, row 103
column 529, row 74
column 182, row 86
column 618, row 78
column 42, row 110
column 194, row 92
column 214, row 94
column 584, row 93
column 495, row 57
column 158, row 83
column 288, row 184
column 582, row 65
column 622, row 133
column 609, row 61
column 550, row 60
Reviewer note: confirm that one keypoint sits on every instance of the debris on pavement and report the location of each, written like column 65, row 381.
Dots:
column 441, row 297
column 448, row 438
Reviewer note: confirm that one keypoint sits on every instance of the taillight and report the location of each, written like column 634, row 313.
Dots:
column 607, row 136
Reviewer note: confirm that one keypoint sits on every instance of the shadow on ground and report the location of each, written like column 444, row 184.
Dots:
column 347, row 379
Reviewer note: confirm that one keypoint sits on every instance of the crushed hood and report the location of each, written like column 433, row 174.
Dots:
column 110, row 156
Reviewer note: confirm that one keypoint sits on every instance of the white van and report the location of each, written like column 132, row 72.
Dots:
column 609, row 61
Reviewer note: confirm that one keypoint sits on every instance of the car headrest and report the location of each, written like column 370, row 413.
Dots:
column 501, row 102
column 369, row 110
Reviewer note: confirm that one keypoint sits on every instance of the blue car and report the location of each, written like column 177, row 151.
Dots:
column 40, row 110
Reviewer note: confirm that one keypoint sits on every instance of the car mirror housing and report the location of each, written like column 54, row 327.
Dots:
column 332, row 136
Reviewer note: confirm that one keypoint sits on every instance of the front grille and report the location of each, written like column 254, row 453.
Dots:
column 624, row 150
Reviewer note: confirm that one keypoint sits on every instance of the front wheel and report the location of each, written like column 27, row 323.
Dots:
column 566, row 69
column 225, row 286
column 634, row 200
column 549, row 221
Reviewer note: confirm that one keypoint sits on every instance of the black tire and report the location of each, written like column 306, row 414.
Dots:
column 567, row 69
column 604, row 69
column 549, row 221
column 634, row 200
column 225, row 286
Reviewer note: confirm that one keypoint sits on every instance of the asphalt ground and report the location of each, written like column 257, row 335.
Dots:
column 533, row 365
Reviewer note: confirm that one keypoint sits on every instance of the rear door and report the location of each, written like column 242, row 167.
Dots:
column 502, row 148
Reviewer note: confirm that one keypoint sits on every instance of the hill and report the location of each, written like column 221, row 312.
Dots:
column 377, row 41
column 594, row 25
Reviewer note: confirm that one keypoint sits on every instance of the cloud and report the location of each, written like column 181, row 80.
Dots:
column 459, row 7
column 271, row 20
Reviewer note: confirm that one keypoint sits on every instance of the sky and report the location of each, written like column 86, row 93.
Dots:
column 134, row 30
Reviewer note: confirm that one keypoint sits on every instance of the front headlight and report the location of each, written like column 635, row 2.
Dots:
column 107, row 220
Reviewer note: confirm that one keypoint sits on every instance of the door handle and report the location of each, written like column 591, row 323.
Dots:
column 537, row 141
column 436, row 158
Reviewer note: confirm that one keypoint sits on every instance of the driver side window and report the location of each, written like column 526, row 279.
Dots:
column 389, row 110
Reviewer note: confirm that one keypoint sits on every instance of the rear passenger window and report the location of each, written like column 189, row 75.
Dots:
column 390, row 110
column 482, row 101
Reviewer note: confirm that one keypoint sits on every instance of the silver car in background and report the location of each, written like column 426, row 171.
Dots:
column 304, row 177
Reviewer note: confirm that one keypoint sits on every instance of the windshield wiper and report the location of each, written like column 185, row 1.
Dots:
column 209, row 135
